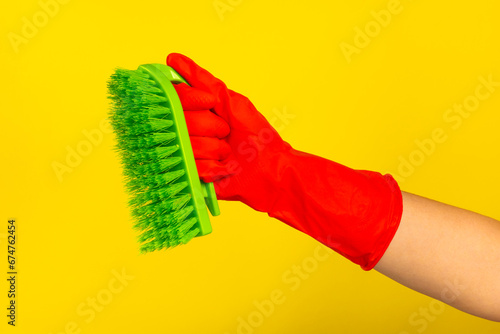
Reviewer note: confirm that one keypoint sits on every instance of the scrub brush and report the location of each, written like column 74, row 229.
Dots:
column 167, row 199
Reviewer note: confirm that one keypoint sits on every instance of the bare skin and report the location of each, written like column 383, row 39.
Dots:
column 447, row 253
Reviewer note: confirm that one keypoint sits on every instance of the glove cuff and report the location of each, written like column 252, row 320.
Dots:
column 354, row 212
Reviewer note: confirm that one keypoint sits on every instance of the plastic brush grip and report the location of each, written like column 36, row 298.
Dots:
column 207, row 188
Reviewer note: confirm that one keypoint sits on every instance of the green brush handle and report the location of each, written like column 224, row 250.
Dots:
column 208, row 189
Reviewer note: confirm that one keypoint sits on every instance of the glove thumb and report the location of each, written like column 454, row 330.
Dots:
column 195, row 75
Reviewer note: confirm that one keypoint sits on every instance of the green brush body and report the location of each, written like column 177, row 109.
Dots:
column 168, row 201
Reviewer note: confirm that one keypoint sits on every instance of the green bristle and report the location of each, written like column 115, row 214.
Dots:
column 185, row 227
column 157, row 195
column 154, row 167
column 147, row 122
column 145, row 113
column 160, row 208
column 170, row 230
column 147, row 141
column 190, row 232
column 165, row 225
column 142, row 120
column 147, row 99
column 163, row 241
column 154, row 181
column 157, row 111
column 133, row 157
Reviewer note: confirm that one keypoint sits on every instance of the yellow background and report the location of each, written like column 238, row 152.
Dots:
column 74, row 235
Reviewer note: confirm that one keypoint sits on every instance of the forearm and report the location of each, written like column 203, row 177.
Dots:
column 447, row 253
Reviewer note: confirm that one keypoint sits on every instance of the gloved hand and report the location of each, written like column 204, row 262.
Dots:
column 354, row 212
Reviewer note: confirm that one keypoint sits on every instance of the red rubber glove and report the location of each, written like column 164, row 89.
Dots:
column 354, row 212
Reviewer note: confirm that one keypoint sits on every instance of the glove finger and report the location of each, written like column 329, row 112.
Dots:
column 210, row 148
column 196, row 76
column 212, row 170
column 194, row 98
column 205, row 123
